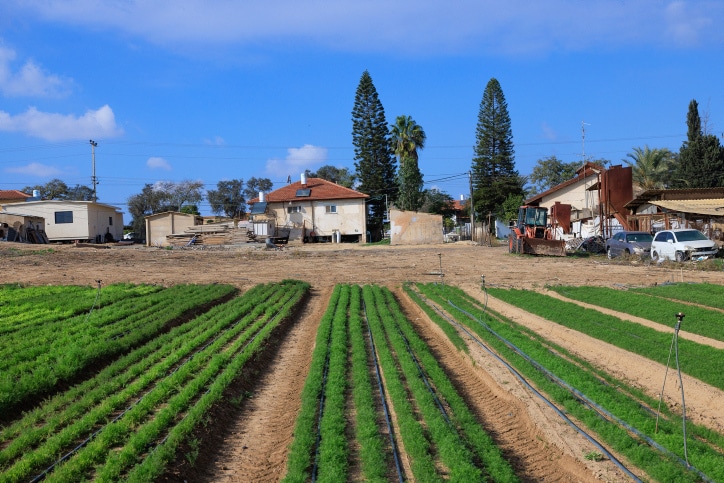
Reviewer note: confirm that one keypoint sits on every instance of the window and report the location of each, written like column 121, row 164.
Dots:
column 294, row 209
column 110, row 220
column 331, row 208
column 63, row 217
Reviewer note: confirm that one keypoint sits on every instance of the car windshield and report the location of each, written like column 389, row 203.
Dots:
column 639, row 237
column 690, row 235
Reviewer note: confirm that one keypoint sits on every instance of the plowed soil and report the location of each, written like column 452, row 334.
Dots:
column 251, row 441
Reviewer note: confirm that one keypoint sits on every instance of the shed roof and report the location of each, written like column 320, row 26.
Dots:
column 319, row 190
column 650, row 196
column 712, row 206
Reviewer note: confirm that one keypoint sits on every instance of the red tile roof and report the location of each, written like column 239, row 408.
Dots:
column 320, row 189
column 14, row 195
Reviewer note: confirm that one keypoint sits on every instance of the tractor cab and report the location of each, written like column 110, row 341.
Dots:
column 533, row 221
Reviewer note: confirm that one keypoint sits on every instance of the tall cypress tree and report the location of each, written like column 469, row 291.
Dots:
column 374, row 161
column 701, row 157
column 493, row 168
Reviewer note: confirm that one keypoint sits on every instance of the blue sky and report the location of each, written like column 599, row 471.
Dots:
column 213, row 90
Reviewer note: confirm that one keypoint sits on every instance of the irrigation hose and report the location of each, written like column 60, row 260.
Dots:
column 83, row 443
column 580, row 396
column 523, row 381
column 383, row 398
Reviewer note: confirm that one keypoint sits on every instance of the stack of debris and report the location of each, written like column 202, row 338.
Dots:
column 211, row 235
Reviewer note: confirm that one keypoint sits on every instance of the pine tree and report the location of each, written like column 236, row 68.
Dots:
column 701, row 157
column 374, row 162
column 493, row 168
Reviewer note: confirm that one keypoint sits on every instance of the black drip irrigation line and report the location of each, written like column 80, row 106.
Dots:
column 603, row 413
column 85, row 442
column 383, row 399
column 538, row 394
column 321, row 405
column 208, row 390
column 424, row 378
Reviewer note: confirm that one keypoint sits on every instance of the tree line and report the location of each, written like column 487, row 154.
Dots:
column 387, row 169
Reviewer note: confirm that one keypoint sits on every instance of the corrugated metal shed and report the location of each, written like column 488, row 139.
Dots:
column 712, row 207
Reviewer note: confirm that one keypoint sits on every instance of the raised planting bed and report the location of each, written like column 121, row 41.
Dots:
column 127, row 421
column 619, row 415
column 364, row 332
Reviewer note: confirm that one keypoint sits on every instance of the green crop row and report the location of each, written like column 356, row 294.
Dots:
column 462, row 441
column 698, row 320
column 438, row 446
column 153, row 465
column 63, row 356
column 373, row 458
column 91, row 402
column 697, row 360
column 706, row 294
column 171, row 371
column 32, row 307
column 623, row 402
column 302, row 449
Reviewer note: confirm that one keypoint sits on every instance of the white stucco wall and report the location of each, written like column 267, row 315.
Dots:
column 349, row 218
column 89, row 219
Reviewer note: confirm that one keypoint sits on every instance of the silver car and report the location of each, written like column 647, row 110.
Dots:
column 682, row 245
column 629, row 243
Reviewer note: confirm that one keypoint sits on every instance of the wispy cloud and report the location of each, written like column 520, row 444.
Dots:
column 97, row 124
column 158, row 163
column 35, row 169
column 215, row 141
column 297, row 160
column 430, row 26
column 29, row 80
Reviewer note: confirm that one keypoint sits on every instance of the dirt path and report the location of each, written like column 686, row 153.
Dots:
column 540, row 445
column 704, row 403
column 255, row 444
column 699, row 339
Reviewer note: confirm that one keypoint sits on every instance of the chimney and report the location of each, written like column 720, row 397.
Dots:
column 304, row 179
column 462, row 197
column 261, row 197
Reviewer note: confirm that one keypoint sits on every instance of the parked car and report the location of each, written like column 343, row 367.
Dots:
column 629, row 243
column 682, row 244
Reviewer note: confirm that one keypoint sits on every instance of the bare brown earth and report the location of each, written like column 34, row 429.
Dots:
column 255, row 438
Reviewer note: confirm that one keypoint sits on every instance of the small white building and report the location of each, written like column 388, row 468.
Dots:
column 313, row 209
column 74, row 220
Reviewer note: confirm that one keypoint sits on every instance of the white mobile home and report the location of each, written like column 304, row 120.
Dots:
column 74, row 220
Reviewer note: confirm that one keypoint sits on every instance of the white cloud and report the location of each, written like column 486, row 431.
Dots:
column 30, row 80
column 158, row 163
column 35, row 169
column 297, row 160
column 429, row 26
column 96, row 124
column 548, row 132
column 215, row 141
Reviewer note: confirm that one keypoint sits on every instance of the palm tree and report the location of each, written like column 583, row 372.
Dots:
column 406, row 137
column 651, row 168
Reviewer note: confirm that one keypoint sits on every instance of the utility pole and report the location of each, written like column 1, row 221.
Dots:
column 94, row 180
column 472, row 208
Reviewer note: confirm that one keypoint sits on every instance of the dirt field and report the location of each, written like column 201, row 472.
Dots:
column 252, row 444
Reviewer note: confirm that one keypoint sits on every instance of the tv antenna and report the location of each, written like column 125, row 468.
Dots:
column 94, row 180
column 583, row 140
